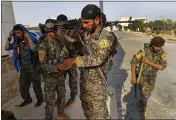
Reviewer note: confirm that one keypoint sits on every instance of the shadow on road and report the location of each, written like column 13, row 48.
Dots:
column 132, row 111
column 117, row 77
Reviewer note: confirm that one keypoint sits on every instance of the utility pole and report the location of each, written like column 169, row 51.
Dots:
column 101, row 5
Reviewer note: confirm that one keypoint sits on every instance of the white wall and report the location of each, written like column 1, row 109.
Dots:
column 133, row 18
column 8, row 21
column 124, row 19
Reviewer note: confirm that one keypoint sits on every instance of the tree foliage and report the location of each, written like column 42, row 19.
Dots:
column 165, row 24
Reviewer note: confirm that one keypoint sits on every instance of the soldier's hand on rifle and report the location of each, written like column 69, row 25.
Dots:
column 133, row 80
column 67, row 64
column 145, row 60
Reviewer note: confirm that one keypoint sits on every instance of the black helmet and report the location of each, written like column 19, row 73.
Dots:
column 157, row 41
column 90, row 11
column 50, row 27
column 50, row 21
column 62, row 17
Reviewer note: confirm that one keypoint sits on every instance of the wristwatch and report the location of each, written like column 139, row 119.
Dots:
column 9, row 39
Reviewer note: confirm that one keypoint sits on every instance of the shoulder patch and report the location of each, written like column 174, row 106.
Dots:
column 164, row 56
column 104, row 43
column 41, row 55
column 140, row 54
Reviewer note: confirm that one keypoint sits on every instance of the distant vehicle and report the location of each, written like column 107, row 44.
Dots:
column 36, row 33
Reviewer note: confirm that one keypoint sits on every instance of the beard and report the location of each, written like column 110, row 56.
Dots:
column 92, row 30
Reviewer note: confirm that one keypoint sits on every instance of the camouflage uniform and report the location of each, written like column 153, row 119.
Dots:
column 54, row 81
column 28, row 74
column 93, row 93
column 72, row 72
column 149, row 74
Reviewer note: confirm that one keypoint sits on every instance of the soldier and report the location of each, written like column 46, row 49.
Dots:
column 93, row 92
column 23, row 45
column 51, row 53
column 72, row 72
column 154, row 58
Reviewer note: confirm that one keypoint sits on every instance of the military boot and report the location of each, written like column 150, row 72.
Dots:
column 63, row 116
column 69, row 103
column 26, row 102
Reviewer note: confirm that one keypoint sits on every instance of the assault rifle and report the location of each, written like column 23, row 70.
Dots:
column 77, row 24
column 71, row 24
column 109, row 23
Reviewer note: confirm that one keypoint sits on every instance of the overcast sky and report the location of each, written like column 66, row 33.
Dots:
column 32, row 13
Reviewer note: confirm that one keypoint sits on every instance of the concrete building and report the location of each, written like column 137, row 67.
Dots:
column 9, row 77
column 143, row 19
column 8, row 21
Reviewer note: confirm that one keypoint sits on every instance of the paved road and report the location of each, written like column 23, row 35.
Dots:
column 123, row 105
column 162, row 102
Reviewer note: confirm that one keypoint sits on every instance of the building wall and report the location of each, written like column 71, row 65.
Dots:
column 9, row 76
column 8, row 21
column 9, row 81
column 144, row 19
column 124, row 19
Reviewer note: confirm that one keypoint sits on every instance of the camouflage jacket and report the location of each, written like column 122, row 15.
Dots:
column 22, row 48
column 54, row 53
column 101, row 50
column 157, row 58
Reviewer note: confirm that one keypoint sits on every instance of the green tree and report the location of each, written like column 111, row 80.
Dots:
column 168, row 24
column 139, row 24
column 146, row 25
column 120, row 27
column 131, row 27
column 151, row 24
column 158, row 25
column 126, row 28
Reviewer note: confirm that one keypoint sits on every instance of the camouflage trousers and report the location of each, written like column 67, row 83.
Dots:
column 146, row 86
column 26, row 78
column 93, row 95
column 72, row 72
column 54, row 82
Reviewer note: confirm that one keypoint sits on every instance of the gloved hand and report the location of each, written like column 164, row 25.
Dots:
column 66, row 64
